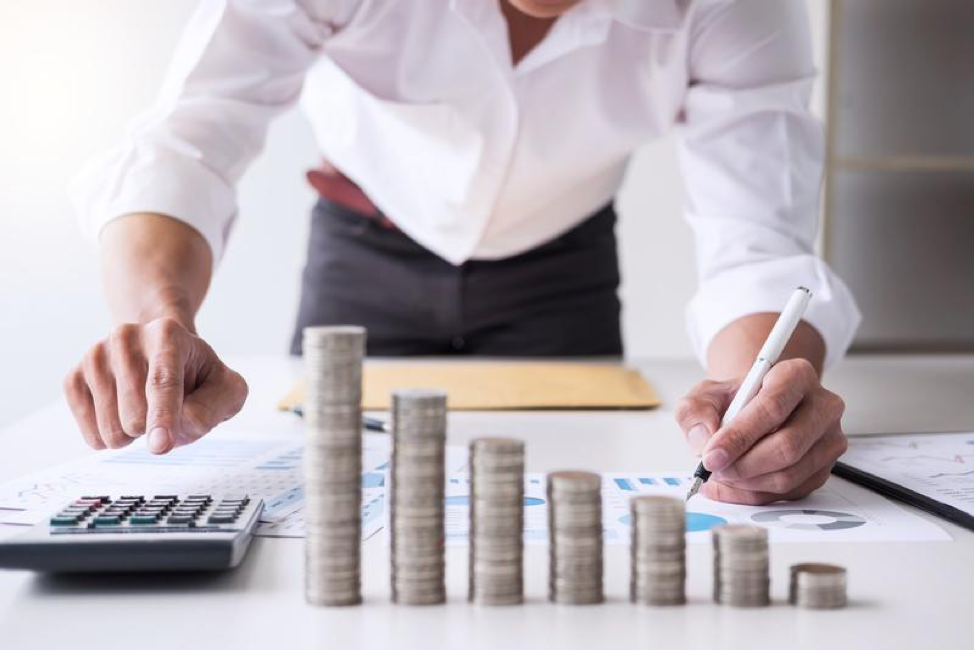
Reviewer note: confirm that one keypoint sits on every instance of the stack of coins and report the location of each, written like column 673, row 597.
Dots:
column 575, row 531
column 741, row 566
column 658, row 550
column 333, row 464
column 818, row 586
column 416, row 497
column 496, row 521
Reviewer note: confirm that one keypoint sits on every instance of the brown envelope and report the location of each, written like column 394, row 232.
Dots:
column 489, row 385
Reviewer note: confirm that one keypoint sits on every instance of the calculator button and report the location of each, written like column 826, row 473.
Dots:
column 143, row 519
column 181, row 520
column 64, row 520
column 107, row 520
column 101, row 499
column 221, row 519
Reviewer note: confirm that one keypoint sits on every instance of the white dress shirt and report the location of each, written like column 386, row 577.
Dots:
column 418, row 102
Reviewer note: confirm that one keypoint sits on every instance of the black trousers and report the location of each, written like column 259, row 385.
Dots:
column 559, row 299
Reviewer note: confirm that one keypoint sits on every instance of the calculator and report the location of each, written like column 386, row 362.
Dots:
column 138, row 533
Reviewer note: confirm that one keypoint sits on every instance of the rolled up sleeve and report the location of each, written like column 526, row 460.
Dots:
column 239, row 64
column 751, row 155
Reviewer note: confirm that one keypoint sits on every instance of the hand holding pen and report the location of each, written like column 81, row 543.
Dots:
column 773, row 435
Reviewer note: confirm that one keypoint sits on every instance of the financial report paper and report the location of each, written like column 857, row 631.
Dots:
column 271, row 469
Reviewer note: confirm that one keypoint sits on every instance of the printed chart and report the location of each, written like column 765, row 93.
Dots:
column 252, row 465
column 839, row 512
column 936, row 465
column 271, row 469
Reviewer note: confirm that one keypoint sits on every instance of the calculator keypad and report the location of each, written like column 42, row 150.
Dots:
column 158, row 513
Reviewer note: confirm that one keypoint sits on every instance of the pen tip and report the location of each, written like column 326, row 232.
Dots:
column 694, row 488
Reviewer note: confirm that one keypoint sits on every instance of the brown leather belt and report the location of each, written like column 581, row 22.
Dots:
column 333, row 185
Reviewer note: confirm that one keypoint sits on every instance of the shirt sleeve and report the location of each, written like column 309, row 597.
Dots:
column 239, row 64
column 751, row 155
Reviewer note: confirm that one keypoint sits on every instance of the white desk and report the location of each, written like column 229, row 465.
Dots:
column 904, row 595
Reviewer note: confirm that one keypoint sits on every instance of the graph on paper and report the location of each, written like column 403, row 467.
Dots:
column 937, row 465
column 839, row 512
column 270, row 468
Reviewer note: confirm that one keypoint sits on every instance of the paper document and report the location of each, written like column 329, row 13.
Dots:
column 271, row 469
column 937, row 465
column 217, row 464
column 839, row 512
column 489, row 385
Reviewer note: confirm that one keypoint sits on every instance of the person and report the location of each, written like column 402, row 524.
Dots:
column 473, row 149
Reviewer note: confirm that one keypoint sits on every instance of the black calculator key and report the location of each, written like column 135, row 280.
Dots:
column 64, row 520
column 102, row 499
column 180, row 519
column 221, row 519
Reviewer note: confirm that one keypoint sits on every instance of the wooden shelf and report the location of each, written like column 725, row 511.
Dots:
column 906, row 163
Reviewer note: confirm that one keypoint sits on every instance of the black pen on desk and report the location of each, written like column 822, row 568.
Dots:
column 370, row 423
column 783, row 328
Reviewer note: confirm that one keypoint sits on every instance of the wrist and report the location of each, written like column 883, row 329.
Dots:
column 168, row 303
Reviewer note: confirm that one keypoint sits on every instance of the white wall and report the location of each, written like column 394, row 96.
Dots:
column 74, row 72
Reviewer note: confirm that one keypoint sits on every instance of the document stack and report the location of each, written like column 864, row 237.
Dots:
column 575, row 530
column 741, row 566
column 496, row 521
column 417, row 497
column 333, row 464
column 658, row 550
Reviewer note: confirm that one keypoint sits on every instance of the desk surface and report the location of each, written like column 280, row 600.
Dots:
column 904, row 595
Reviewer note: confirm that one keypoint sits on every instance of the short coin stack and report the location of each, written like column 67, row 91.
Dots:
column 741, row 566
column 658, row 550
column 818, row 586
column 333, row 464
column 416, row 497
column 575, row 531
column 496, row 521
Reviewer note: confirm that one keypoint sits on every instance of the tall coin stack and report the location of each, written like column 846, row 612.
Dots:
column 417, row 497
column 741, row 566
column 333, row 464
column 496, row 521
column 658, row 550
column 818, row 586
column 575, row 531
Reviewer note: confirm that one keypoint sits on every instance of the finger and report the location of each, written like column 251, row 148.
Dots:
column 217, row 400
column 82, row 407
column 101, row 383
column 822, row 454
column 781, row 391
column 129, row 367
column 783, row 448
column 164, row 386
column 698, row 414
column 729, row 494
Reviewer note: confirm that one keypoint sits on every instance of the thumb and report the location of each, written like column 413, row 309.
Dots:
column 699, row 413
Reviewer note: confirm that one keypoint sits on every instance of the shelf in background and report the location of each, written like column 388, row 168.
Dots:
column 905, row 163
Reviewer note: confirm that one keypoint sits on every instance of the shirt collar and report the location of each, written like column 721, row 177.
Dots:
column 645, row 15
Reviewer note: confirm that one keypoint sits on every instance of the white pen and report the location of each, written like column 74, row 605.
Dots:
column 785, row 326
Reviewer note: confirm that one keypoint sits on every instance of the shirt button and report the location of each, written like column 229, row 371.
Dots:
column 458, row 342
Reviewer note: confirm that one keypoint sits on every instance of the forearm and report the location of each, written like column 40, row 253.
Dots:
column 154, row 266
column 734, row 348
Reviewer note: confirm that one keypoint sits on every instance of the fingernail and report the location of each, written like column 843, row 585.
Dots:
column 697, row 436
column 158, row 440
column 715, row 460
